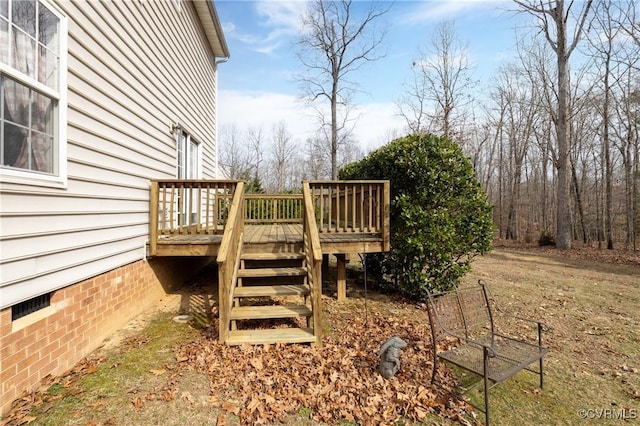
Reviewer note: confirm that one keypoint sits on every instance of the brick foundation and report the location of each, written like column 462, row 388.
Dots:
column 80, row 318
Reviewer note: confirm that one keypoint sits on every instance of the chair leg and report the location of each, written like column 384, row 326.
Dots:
column 435, row 369
column 540, row 344
column 434, row 348
column 486, row 386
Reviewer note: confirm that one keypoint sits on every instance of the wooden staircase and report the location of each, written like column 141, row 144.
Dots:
column 270, row 284
column 270, row 301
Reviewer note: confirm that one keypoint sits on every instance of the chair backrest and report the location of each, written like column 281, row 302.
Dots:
column 463, row 312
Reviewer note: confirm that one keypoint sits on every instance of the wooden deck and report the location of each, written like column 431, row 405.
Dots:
column 269, row 245
column 275, row 236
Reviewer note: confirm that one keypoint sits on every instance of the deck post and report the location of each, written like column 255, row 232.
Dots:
column 325, row 267
column 386, row 217
column 153, row 218
column 341, row 279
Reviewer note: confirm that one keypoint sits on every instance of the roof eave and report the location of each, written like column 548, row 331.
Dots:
column 212, row 28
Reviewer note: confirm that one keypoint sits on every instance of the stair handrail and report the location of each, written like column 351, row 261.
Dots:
column 229, row 259
column 313, row 256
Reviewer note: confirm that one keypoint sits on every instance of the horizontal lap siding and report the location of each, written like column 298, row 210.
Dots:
column 134, row 69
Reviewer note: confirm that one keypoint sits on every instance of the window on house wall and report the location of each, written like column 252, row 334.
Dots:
column 188, row 167
column 32, row 90
column 188, row 155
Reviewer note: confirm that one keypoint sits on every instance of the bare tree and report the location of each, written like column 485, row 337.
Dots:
column 442, row 82
column 335, row 43
column 521, row 112
column 536, row 61
column 626, row 119
column 413, row 106
column 630, row 21
column 349, row 152
column 255, row 139
column 234, row 157
column 553, row 19
column 283, row 157
column 603, row 48
column 316, row 159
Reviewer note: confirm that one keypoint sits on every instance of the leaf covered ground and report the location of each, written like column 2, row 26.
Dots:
column 336, row 381
column 159, row 371
column 273, row 384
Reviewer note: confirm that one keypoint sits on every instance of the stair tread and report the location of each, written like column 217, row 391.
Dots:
column 272, row 290
column 272, row 256
column 272, row 272
column 273, row 335
column 271, row 311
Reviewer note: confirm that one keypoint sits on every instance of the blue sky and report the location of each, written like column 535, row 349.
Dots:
column 257, row 86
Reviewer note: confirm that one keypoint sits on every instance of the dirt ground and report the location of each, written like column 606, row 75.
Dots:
column 160, row 371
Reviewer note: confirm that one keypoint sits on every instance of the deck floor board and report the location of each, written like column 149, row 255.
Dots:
column 282, row 233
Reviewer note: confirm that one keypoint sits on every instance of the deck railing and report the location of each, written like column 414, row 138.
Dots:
column 273, row 208
column 189, row 207
column 201, row 207
column 229, row 260
column 352, row 207
column 313, row 258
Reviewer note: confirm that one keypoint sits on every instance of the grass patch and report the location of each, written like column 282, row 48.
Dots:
column 593, row 364
column 137, row 379
column 594, row 359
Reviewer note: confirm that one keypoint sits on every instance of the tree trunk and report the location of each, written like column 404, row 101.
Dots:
column 500, row 186
column 563, row 217
column 636, row 190
column 334, row 132
column 545, row 211
column 596, row 166
column 583, row 225
column 513, row 226
column 608, row 177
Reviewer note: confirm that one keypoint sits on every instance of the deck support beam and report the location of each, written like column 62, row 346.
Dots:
column 325, row 268
column 341, row 276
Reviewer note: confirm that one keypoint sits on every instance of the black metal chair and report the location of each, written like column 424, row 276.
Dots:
column 476, row 341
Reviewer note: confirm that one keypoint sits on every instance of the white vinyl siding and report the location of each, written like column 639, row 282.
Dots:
column 134, row 70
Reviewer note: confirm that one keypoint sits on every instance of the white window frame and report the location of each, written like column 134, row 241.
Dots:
column 184, row 155
column 59, row 179
column 187, row 167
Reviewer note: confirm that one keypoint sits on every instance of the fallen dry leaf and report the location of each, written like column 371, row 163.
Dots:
column 27, row 419
column 137, row 402
column 94, row 404
column 257, row 364
column 231, row 407
column 338, row 381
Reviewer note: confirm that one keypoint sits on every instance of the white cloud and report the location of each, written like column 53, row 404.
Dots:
column 278, row 21
column 282, row 15
column 265, row 109
column 376, row 123
column 228, row 27
column 437, row 10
